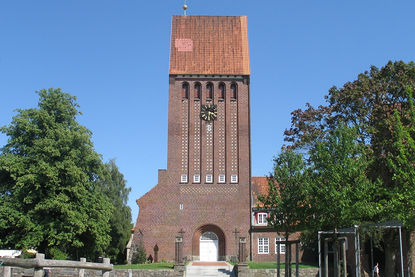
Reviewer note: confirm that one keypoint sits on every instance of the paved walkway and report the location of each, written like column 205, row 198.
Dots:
column 217, row 269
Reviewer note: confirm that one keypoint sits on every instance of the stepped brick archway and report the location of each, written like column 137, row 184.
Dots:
column 209, row 228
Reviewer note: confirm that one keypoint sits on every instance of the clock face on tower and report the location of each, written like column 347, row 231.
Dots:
column 209, row 112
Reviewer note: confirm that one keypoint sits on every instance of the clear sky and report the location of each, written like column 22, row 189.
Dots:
column 113, row 55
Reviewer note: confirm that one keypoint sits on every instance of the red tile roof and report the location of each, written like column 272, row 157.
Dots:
column 259, row 186
column 210, row 45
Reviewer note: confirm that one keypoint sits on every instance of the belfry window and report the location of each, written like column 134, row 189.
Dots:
column 185, row 91
column 197, row 91
column 221, row 91
column 209, row 91
column 234, row 91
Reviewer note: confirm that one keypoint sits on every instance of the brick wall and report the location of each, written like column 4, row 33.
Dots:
column 272, row 256
column 209, row 207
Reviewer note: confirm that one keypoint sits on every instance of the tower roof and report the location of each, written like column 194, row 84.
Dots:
column 209, row 45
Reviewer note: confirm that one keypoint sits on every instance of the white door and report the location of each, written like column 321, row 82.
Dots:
column 209, row 247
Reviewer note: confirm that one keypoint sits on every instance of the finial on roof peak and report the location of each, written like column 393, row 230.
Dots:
column 184, row 8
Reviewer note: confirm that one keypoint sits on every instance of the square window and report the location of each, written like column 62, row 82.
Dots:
column 183, row 178
column 221, row 178
column 282, row 246
column 263, row 245
column 196, row 178
column 234, row 178
column 262, row 218
column 209, row 178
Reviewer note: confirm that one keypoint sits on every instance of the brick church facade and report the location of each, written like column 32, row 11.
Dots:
column 207, row 194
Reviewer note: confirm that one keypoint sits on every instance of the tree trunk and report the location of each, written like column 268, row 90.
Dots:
column 411, row 253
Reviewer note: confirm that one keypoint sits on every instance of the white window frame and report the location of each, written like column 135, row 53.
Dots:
column 221, row 178
column 209, row 178
column 183, row 178
column 196, row 178
column 263, row 245
column 234, row 178
column 181, row 206
column 262, row 219
column 282, row 246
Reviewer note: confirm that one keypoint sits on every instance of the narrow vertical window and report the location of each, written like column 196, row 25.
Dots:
column 185, row 91
column 234, row 91
column 209, row 91
column 221, row 178
column 183, row 178
column 221, row 91
column 234, row 178
column 196, row 178
column 209, row 178
column 197, row 91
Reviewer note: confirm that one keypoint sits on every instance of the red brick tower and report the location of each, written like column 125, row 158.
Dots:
column 205, row 191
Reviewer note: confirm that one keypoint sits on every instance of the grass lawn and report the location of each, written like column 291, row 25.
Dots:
column 273, row 265
column 145, row 266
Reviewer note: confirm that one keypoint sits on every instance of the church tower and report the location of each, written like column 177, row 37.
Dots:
column 204, row 195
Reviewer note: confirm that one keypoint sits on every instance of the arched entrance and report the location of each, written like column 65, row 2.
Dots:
column 208, row 243
column 208, row 247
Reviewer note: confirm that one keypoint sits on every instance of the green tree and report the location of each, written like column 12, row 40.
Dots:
column 114, row 186
column 49, row 196
column 286, row 197
column 379, row 105
column 339, row 193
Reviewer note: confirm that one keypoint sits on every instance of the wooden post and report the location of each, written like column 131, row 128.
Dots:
column 39, row 270
column 242, row 250
column 179, row 250
column 326, row 258
column 289, row 260
column 286, row 273
column 278, row 260
column 344, row 258
column 156, row 254
column 297, row 273
column 336, row 258
column 106, row 273
column 7, row 271
column 82, row 271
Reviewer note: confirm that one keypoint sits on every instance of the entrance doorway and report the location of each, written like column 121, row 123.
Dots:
column 209, row 247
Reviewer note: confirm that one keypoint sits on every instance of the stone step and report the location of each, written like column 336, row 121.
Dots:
column 209, row 271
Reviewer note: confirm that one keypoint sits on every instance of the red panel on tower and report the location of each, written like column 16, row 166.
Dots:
column 209, row 45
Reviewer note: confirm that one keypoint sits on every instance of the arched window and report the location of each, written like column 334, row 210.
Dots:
column 209, row 92
column 185, row 91
column 221, row 91
column 234, row 91
column 198, row 90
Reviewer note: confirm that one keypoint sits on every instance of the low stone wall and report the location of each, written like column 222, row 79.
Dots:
column 63, row 272
column 245, row 272
column 303, row 272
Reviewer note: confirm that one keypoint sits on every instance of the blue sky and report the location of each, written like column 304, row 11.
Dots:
column 113, row 56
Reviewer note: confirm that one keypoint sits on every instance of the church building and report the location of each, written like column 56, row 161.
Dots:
column 206, row 195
